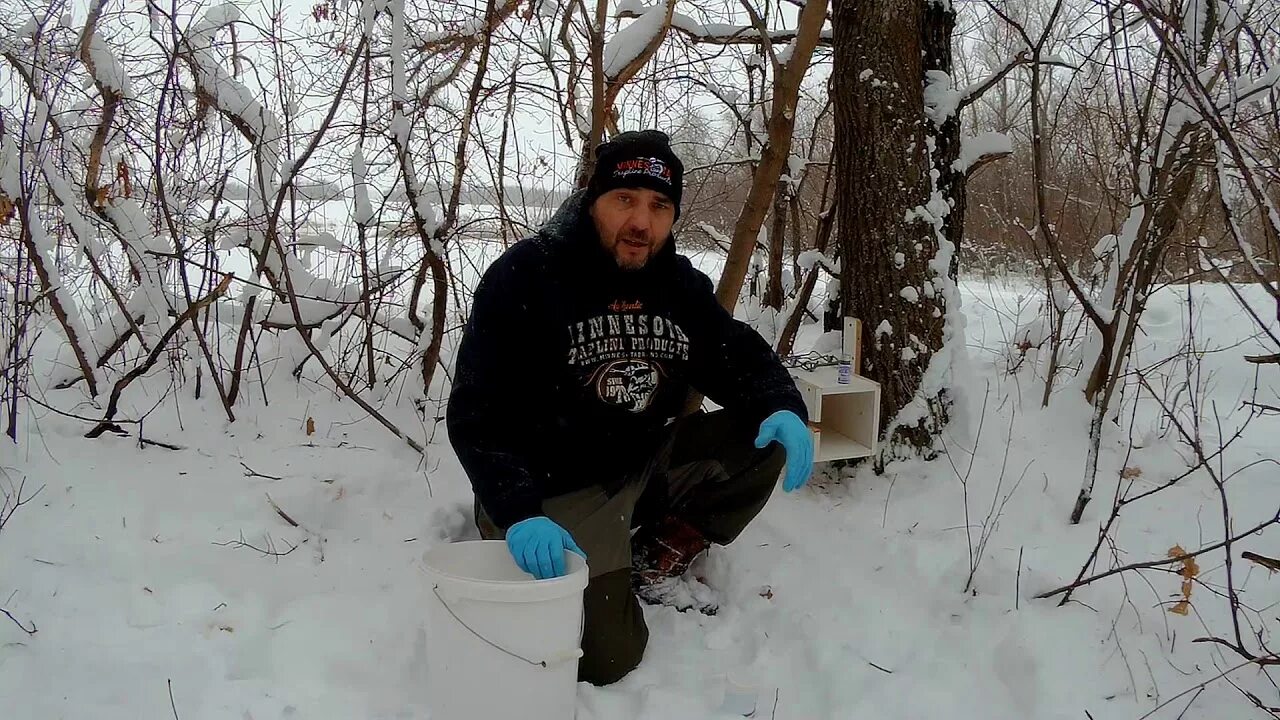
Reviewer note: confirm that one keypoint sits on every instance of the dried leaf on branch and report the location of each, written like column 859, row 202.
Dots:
column 1189, row 570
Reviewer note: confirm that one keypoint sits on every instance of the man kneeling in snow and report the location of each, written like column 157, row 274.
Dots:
column 575, row 364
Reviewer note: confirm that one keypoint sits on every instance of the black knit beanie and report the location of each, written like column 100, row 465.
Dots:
column 637, row 159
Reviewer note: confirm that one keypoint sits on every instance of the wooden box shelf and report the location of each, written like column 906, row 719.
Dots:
column 845, row 419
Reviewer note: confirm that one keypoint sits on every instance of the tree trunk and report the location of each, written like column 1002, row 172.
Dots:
column 773, row 289
column 886, row 244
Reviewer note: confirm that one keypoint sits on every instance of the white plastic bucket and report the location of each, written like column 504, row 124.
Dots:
column 500, row 644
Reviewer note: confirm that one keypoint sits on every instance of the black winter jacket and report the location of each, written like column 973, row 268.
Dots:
column 570, row 367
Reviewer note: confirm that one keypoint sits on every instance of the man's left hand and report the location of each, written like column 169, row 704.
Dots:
column 789, row 430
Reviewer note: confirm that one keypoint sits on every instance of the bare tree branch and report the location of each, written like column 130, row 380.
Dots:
column 1164, row 561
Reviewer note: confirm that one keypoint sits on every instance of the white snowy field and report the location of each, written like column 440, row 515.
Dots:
column 843, row 600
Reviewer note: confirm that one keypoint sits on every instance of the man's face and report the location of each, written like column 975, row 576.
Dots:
column 633, row 224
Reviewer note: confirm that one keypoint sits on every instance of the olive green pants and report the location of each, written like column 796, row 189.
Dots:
column 708, row 472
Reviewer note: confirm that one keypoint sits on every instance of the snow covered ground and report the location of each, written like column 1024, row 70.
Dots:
column 148, row 571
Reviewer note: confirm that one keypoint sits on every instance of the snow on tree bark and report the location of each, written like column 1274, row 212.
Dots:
column 939, row 24
column 889, row 216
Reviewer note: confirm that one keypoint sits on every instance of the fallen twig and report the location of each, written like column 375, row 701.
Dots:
column 250, row 472
column 32, row 631
column 172, row 704
column 282, row 513
column 269, row 551
column 884, row 518
column 158, row 443
column 310, row 533
column 1017, row 584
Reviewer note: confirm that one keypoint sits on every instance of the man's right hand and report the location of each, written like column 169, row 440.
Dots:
column 538, row 546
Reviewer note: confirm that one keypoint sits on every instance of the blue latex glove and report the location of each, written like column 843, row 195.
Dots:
column 538, row 546
column 787, row 428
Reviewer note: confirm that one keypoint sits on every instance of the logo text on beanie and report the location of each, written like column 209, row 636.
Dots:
column 650, row 166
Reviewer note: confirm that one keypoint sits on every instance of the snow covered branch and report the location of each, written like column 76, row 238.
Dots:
column 112, row 251
column 41, row 249
column 468, row 33
column 974, row 92
column 720, row 33
column 112, row 84
column 113, row 403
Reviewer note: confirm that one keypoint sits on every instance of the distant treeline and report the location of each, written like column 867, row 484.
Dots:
column 529, row 197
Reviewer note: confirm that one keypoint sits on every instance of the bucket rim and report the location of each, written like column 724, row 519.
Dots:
column 570, row 582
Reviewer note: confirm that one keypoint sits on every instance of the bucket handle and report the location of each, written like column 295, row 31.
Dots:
column 556, row 659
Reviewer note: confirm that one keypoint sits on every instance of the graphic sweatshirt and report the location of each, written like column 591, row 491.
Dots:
column 570, row 367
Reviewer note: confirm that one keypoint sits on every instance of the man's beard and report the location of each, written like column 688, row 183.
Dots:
column 632, row 264
column 629, row 262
